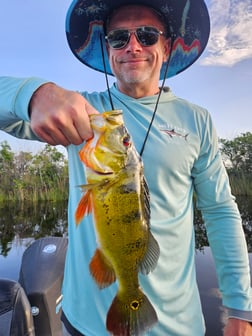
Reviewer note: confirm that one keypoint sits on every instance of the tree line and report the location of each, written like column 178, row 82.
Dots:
column 237, row 156
column 44, row 175
column 33, row 177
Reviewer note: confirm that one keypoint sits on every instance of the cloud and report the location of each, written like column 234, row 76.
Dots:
column 231, row 32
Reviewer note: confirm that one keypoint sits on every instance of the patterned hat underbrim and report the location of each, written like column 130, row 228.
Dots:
column 188, row 22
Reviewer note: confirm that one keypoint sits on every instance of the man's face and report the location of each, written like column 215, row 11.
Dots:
column 136, row 64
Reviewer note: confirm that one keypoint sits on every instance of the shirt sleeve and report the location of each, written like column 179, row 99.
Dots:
column 223, row 225
column 15, row 95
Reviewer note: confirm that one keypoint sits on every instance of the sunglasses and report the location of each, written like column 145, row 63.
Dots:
column 146, row 36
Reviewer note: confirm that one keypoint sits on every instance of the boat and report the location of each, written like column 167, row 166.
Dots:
column 31, row 306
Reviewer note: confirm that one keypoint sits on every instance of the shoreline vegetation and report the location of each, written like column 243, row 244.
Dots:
column 44, row 176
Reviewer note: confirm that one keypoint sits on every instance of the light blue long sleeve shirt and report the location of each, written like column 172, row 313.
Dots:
column 181, row 157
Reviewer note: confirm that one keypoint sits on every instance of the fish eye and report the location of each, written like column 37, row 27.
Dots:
column 126, row 141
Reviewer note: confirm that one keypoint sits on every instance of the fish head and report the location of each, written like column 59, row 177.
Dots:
column 106, row 152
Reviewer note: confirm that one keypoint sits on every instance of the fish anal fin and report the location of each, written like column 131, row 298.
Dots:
column 150, row 259
column 101, row 270
column 132, row 316
column 84, row 207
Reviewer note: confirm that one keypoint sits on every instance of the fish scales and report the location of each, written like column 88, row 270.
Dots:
column 118, row 197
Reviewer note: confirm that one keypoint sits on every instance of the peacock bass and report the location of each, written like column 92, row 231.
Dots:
column 117, row 195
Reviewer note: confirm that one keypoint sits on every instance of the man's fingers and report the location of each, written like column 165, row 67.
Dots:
column 72, row 135
column 82, row 124
column 54, row 137
column 60, row 116
column 90, row 109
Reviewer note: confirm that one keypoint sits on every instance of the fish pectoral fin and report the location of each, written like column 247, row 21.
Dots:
column 84, row 207
column 150, row 259
column 131, row 315
column 101, row 270
column 90, row 186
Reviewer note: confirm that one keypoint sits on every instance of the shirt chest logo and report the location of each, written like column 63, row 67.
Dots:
column 174, row 133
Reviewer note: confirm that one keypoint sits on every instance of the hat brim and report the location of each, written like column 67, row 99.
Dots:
column 188, row 22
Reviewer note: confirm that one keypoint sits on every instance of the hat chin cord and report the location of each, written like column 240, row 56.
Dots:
column 105, row 72
column 159, row 93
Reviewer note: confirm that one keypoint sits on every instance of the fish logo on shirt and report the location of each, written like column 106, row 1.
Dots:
column 172, row 133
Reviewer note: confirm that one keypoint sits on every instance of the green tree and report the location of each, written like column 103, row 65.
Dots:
column 49, row 172
column 22, row 180
column 6, row 168
column 239, row 153
column 24, row 176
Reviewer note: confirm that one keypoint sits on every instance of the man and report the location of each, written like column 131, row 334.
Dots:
column 144, row 42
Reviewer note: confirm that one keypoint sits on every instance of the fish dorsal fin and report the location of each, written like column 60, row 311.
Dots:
column 150, row 259
column 101, row 270
column 146, row 195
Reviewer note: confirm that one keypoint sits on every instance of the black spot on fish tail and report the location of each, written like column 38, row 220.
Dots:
column 128, row 317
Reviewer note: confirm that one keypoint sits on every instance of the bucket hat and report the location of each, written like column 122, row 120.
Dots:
column 187, row 21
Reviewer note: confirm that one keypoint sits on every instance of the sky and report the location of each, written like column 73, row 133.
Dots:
column 33, row 43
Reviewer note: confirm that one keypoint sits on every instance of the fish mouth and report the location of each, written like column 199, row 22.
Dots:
column 103, row 172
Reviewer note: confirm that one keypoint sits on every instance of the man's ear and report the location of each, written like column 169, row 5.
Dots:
column 167, row 48
column 107, row 48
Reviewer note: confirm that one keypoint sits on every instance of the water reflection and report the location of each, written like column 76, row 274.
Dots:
column 36, row 220
column 30, row 220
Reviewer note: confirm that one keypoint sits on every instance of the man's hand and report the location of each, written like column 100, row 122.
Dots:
column 237, row 327
column 59, row 116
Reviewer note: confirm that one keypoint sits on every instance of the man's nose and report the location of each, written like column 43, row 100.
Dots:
column 133, row 44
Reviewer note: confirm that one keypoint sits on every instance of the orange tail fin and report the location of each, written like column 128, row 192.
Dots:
column 131, row 317
column 84, row 207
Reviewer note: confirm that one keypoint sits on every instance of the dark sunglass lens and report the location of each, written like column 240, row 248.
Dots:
column 117, row 39
column 147, row 36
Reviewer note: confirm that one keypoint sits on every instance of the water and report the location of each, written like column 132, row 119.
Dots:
column 21, row 224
